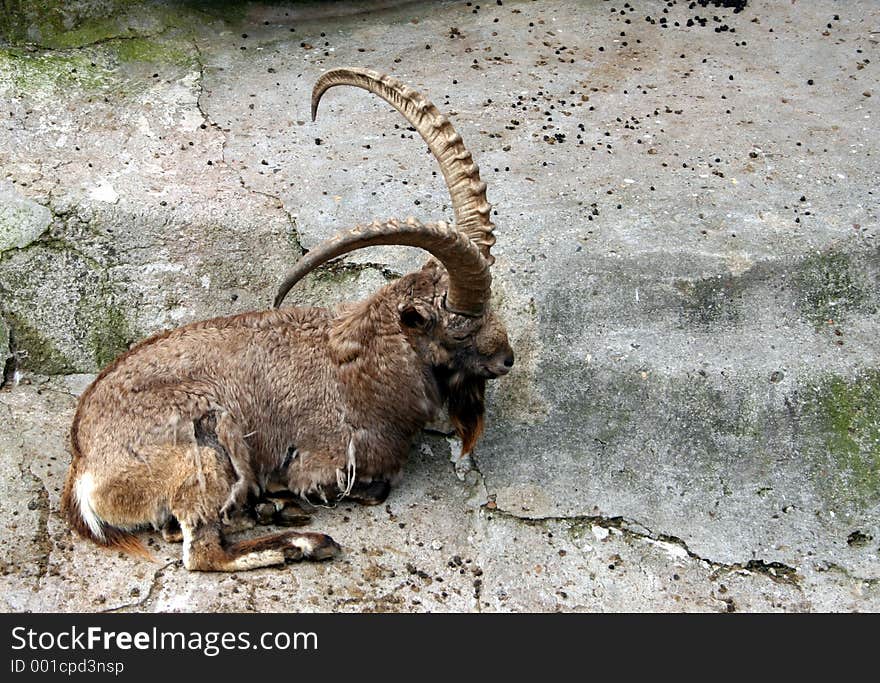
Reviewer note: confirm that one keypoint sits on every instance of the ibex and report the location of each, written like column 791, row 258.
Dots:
column 185, row 427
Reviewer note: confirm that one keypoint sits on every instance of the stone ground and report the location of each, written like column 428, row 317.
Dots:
column 687, row 260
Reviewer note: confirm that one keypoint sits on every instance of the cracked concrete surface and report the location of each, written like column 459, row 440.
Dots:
column 687, row 261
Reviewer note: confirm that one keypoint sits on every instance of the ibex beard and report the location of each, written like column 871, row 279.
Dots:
column 187, row 427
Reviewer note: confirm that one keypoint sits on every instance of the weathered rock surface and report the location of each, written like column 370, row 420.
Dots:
column 687, row 259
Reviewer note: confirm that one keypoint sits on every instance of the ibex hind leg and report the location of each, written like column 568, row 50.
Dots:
column 204, row 549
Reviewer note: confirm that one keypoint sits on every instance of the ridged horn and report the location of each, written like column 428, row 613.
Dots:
column 462, row 175
column 469, row 277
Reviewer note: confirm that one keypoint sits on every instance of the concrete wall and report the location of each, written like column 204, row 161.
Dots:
column 687, row 259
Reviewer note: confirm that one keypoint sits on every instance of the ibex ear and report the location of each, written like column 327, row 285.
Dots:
column 415, row 316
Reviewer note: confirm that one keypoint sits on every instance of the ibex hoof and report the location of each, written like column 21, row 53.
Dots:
column 312, row 546
column 264, row 513
column 291, row 517
column 371, row 493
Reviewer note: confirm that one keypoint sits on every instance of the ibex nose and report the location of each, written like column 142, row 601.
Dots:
column 500, row 363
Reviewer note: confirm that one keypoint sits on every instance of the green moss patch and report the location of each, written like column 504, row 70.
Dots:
column 89, row 33
column 152, row 50
column 37, row 352
column 31, row 72
column 230, row 11
column 848, row 412
column 62, row 24
column 62, row 309
column 108, row 334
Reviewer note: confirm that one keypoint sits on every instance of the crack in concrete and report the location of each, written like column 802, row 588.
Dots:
column 105, row 292
column 872, row 582
column 775, row 571
column 467, row 469
column 294, row 235
column 474, row 477
column 154, row 582
column 37, row 47
column 48, row 239
column 42, row 539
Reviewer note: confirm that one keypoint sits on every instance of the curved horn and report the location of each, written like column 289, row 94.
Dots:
column 462, row 175
column 469, row 278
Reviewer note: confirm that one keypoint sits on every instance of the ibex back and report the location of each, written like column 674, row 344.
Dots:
column 187, row 426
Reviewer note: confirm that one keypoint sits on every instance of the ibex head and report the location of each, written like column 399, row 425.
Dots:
column 444, row 308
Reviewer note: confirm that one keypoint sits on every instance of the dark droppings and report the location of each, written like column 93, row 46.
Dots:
column 736, row 5
column 858, row 538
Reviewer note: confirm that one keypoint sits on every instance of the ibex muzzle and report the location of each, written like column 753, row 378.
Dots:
column 182, row 429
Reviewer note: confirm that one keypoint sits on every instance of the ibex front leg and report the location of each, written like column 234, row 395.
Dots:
column 231, row 439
